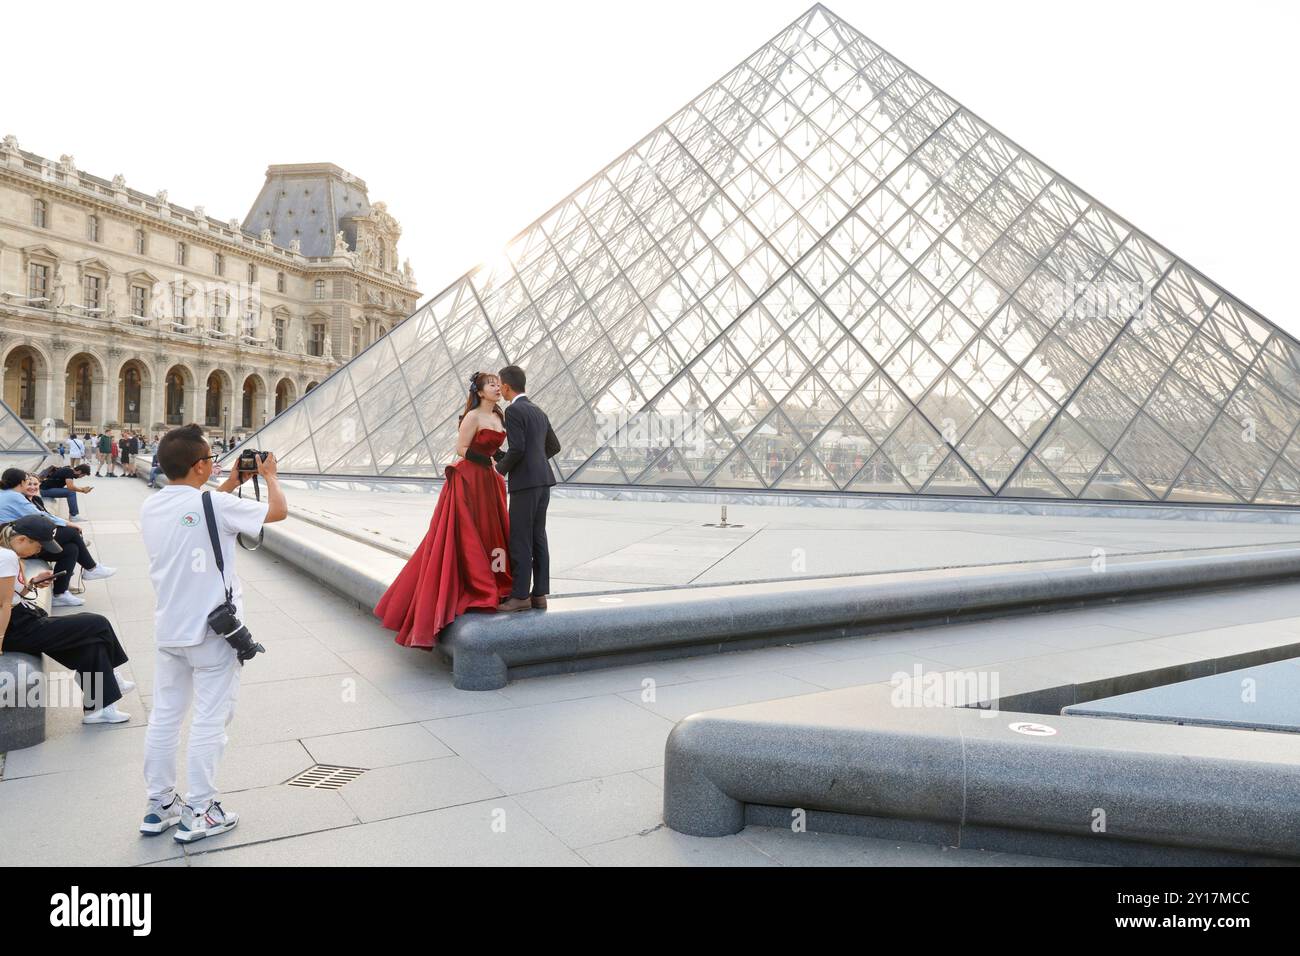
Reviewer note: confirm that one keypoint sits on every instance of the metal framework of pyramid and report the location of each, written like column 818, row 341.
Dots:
column 19, row 446
column 825, row 274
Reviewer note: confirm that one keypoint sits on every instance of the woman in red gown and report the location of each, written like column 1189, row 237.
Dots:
column 463, row 563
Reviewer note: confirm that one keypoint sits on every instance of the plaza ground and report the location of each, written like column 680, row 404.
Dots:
column 604, row 545
column 563, row 770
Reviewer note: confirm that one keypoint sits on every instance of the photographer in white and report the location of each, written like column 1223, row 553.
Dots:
column 197, row 589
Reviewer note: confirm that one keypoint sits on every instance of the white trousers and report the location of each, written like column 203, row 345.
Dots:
column 208, row 675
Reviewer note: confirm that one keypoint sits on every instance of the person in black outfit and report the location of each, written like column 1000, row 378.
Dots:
column 61, row 482
column 84, row 643
column 530, row 443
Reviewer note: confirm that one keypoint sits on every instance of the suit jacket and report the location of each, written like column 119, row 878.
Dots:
column 525, row 462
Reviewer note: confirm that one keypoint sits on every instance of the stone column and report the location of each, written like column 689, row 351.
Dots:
column 195, row 396
column 113, row 386
column 56, row 389
column 157, row 411
column 103, row 412
column 264, row 413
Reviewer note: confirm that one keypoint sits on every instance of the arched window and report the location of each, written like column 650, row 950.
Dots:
column 318, row 289
column 218, row 263
column 84, row 378
column 215, row 399
column 282, row 396
column 131, row 395
column 141, row 243
column 27, row 388
column 40, row 213
column 180, row 253
column 92, row 228
column 175, row 398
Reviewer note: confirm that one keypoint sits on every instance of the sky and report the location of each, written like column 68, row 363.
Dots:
column 471, row 120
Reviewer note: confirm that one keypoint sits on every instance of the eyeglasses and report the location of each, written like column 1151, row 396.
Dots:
column 213, row 457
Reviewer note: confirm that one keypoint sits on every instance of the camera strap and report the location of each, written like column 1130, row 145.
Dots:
column 257, row 493
column 209, row 516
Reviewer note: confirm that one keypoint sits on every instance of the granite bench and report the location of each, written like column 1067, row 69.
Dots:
column 20, row 676
column 859, row 761
column 629, row 627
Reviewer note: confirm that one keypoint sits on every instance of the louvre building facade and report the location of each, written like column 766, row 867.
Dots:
column 824, row 274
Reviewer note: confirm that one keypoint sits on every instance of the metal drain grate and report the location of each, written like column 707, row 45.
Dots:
column 324, row 777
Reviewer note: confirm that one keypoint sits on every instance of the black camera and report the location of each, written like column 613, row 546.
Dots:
column 248, row 459
column 224, row 619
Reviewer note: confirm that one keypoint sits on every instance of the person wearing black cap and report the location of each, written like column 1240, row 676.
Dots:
column 85, row 643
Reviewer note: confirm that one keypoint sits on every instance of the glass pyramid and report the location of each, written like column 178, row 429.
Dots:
column 19, row 446
column 825, row 274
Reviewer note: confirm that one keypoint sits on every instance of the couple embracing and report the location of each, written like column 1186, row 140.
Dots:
column 478, row 553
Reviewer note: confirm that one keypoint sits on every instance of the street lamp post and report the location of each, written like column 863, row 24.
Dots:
column 225, row 427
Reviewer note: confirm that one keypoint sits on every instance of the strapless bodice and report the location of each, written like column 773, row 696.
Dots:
column 487, row 440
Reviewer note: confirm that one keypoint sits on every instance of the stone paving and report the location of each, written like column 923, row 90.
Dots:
column 561, row 770
column 603, row 545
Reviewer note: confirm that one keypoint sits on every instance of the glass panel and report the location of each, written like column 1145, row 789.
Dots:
column 1180, row 410
column 395, row 437
column 1199, row 485
column 1113, row 483
column 916, row 450
column 1151, row 455
column 953, row 477
column 880, row 475
column 1264, row 413
column 806, row 474
column 992, row 450
column 951, row 408
column 604, row 468
column 1033, row 480
column 1282, row 487
column 772, row 445
column 1233, row 452
column 1069, row 453
column 736, row 472
column 1102, row 409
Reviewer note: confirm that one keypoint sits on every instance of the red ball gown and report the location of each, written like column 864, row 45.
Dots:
column 463, row 562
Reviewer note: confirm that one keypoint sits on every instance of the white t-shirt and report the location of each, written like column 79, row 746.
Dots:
column 184, row 573
column 9, row 568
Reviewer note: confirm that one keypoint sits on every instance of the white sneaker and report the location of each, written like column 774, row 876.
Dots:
column 125, row 685
column 66, row 599
column 106, row 715
column 97, row 572
column 196, row 825
column 161, row 815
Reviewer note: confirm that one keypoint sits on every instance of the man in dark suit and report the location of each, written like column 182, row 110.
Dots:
column 530, row 441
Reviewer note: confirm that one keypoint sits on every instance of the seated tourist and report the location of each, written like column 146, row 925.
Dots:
column 61, row 482
column 85, row 643
column 72, row 551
